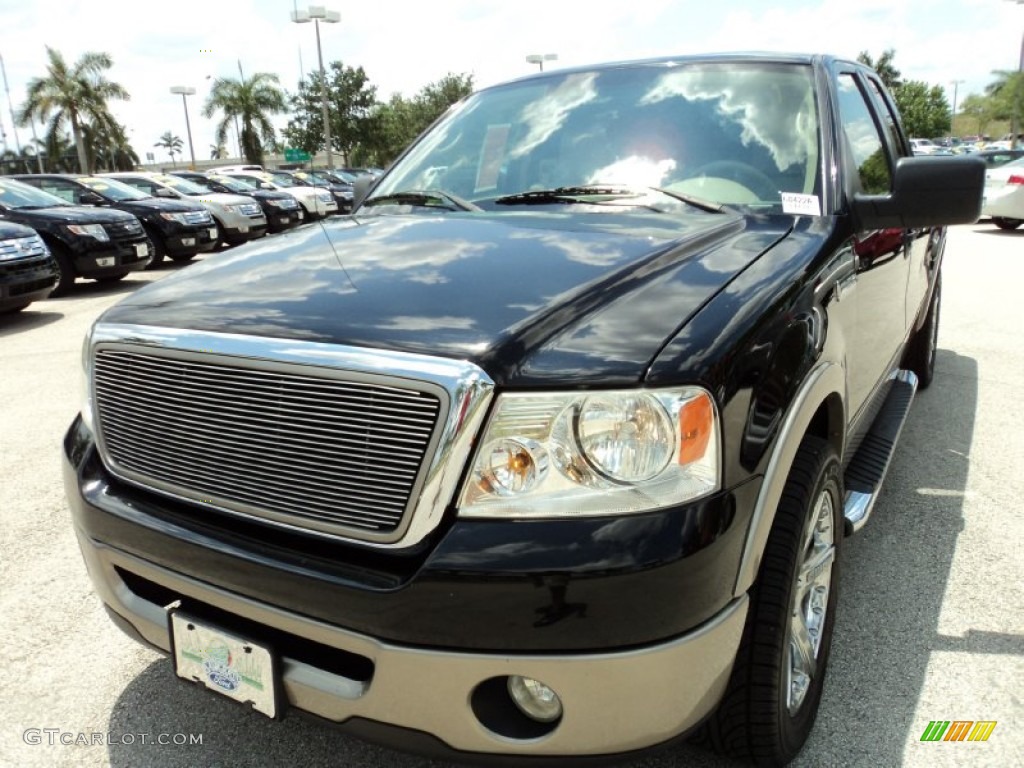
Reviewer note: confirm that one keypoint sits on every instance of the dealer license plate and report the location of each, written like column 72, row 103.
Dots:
column 224, row 662
column 213, row 232
column 301, row 215
column 106, row 261
column 141, row 249
column 188, row 241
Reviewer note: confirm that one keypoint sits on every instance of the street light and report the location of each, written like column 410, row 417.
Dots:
column 318, row 13
column 184, row 90
column 539, row 59
column 956, row 85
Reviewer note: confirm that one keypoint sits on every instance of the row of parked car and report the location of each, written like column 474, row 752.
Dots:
column 55, row 228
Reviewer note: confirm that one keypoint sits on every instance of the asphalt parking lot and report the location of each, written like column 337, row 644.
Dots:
column 931, row 616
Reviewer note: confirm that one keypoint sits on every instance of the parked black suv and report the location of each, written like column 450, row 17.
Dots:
column 177, row 228
column 85, row 241
column 27, row 271
column 282, row 210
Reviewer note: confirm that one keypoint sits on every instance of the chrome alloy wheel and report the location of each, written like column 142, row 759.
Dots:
column 810, row 601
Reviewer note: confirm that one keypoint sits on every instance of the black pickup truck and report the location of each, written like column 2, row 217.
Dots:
column 549, row 449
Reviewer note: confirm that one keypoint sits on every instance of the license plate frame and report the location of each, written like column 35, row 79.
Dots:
column 188, row 241
column 141, row 249
column 230, row 665
column 106, row 261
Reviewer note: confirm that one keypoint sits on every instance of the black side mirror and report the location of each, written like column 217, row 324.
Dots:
column 90, row 198
column 926, row 192
column 361, row 189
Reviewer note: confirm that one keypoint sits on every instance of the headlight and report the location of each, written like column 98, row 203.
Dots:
column 606, row 453
column 181, row 218
column 86, row 381
column 92, row 230
column 324, row 197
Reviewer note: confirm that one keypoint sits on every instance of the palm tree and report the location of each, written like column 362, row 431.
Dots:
column 218, row 152
column 72, row 96
column 250, row 100
column 107, row 145
column 171, row 143
column 1007, row 93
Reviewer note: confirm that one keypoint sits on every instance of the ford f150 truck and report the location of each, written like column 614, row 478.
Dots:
column 550, row 448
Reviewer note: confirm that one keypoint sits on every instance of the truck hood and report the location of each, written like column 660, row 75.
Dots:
column 533, row 298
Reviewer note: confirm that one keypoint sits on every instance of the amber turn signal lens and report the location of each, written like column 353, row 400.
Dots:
column 696, row 420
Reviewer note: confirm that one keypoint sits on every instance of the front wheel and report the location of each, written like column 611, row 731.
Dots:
column 65, row 271
column 773, row 696
column 1004, row 223
column 159, row 250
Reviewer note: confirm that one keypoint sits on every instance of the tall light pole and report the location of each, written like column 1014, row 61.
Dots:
column 10, row 106
column 952, row 117
column 318, row 13
column 185, row 90
column 540, row 58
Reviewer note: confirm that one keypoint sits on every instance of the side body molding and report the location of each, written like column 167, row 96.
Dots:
column 825, row 379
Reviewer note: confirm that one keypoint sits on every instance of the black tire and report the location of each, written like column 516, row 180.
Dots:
column 114, row 278
column 763, row 717
column 65, row 271
column 159, row 250
column 1003, row 223
column 920, row 354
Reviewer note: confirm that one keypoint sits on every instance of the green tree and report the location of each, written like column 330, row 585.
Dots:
column 107, row 146
column 171, row 143
column 924, row 108
column 252, row 100
column 218, row 152
column 883, row 65
column 1007, row 95
column 980, row 109
column 350, row 98
column 394, row 125
column 72, row 97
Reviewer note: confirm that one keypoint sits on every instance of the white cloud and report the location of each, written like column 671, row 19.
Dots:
column 405, row 44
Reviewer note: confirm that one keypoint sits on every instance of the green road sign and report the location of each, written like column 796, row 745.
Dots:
column 296, row 155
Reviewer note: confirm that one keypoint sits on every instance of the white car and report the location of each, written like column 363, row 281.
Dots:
column 1004, row 195
column 317, row 202
column 924, row 146
column 239, row 217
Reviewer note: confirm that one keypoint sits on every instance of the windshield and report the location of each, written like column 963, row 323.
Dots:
column 14, row 195
column 184, row 186
column 286, row 180
column 246, row 182
column 732, row 133
column 112, row 189
column 232, row 185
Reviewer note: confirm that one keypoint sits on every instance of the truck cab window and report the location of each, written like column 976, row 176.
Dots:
column 862, row 138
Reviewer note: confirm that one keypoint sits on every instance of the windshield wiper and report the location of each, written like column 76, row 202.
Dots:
column 565, row 195
column 582, row 194
column 424, row 198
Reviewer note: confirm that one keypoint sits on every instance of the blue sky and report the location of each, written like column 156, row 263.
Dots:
column 405, row 44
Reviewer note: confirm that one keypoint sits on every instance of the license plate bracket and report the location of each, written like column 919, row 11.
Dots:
column 225, row 662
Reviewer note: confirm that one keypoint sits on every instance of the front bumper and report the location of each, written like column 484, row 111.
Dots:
column 114, row 257
column 26, row 280
column 613, row 701
column 187, row 241
column 631, row 622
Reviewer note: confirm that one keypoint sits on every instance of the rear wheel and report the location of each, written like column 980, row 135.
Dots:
column 920, row 355
column 65, row 270
column 773, row 695
column 1003, row 223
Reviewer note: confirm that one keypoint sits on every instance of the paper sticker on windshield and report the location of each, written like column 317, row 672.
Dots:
column 491, row 157
column 807, row 205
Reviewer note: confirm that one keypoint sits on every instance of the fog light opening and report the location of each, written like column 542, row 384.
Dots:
column 534, row 699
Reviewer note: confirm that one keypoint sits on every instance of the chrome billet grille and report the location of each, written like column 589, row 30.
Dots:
column 123, row 228
column 198, row 217
column 22, row 248
column 296, row 445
